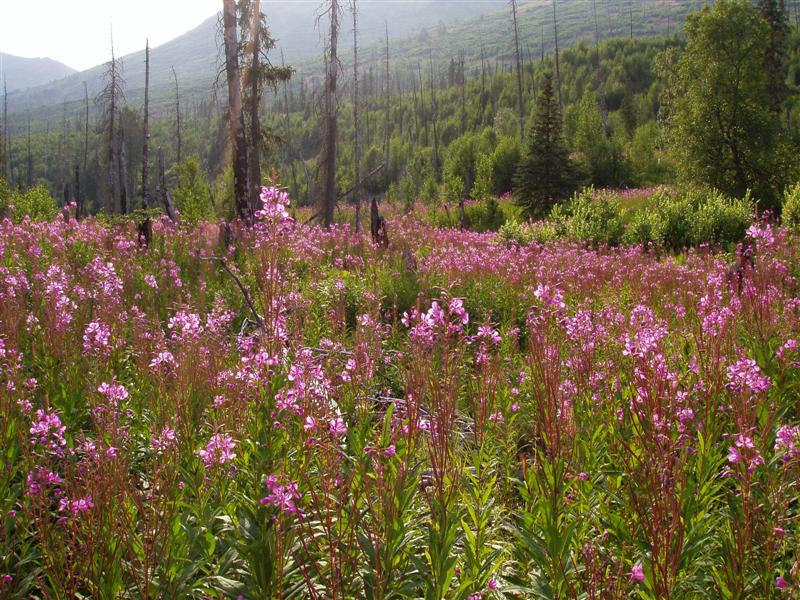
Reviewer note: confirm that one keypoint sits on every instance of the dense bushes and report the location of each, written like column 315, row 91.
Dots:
column 666, row 220
column 36, row 203
column 791, row 208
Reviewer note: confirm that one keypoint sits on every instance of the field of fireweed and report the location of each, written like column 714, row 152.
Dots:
column 303, row 414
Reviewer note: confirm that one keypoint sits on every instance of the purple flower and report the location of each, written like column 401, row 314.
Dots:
column 284, row 497
column 164, row 440
column 781, row 583
column 218, row 450
column 96, row 339
column 745, row 374
column 48, row 431
column 337, row 427
column 637, row 574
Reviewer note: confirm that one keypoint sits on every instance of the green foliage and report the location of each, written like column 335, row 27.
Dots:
column 36, row 203
column 545, row 174
column 593, row 218
column 484, row 179
column 430, row 192
column 5, row 197
column 505, row 159
column 791, row 208
column 691, row 218
column 485, row 215
column 648, row 163
column 722, row 131
column 192, row 196
column 602, row 156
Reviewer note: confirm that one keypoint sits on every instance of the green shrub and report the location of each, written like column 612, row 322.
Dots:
column 5, row 198
column 672, row 222
column 791, row 208
column 514, row 232
column 640, row 229
column 192, row 196
column 588, row 218
column 36, row 203
column 721, row 220
column 595, row 220
column 485, row 215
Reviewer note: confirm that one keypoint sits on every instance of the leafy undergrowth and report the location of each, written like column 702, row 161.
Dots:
column 303, row 414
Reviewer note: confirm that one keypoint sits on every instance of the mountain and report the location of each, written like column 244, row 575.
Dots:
column 420, row 30
column 22, row 73
column 297, row 26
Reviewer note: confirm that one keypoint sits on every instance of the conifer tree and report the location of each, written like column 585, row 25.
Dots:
column 545, row 174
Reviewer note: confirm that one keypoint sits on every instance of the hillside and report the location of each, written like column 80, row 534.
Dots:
column 21, row 73
column 196, row 57
column 441, row 29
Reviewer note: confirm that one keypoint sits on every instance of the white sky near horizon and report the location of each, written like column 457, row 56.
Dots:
column 77, row 32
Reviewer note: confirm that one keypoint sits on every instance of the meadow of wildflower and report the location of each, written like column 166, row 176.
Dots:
column 302, row 414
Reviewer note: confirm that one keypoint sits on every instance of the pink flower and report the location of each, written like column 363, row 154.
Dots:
column 218, row 450
column 745, row 374
column 781, row 583
column 164, row 440
column 337, row 427
column 96, row 339
column 48, row 431
column 637, row 574
column 282, row 496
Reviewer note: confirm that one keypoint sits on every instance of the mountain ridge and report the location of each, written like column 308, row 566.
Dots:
column 22, row 72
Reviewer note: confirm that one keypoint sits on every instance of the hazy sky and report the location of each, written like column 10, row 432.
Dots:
column 77, row 32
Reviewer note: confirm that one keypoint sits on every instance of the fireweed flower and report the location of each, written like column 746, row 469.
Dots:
column 274, row 203
column 113, row 393
column 787, row 439
column 218, row 451
column 39, row 479
column 164, row 440
column 96, row 339
column 186, row 327
column 637, row 574
column 744, row 451
column 164, row 362
column 337, row 427
column 284, row 497
column 745, row 374
column 47, row 431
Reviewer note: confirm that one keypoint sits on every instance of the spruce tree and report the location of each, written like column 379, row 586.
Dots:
column 545, row 174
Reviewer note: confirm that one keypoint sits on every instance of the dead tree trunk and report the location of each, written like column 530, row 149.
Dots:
column 253, row 74
column 330, row 119
column 558, row 65
column 78, row 201
column 178, row 139
column 85, row 126
column 4, row 136
column 122, row 165
column 518, row 59
column 357, row 148
column 163, row 192
column 463, row 82
column 434, row 117
column 146, row 142
column 112, row 133
column 289, row 146
column 236, row 114
column 387, row 91
column 30, row 156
